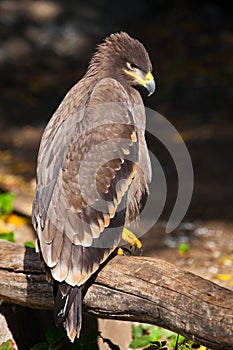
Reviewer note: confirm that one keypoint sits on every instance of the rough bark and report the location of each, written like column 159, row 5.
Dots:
column 130, row 288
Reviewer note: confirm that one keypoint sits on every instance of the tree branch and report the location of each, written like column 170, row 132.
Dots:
column 130, row 288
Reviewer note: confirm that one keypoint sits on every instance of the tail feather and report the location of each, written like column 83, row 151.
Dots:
column 73, row 322
column 68, row 309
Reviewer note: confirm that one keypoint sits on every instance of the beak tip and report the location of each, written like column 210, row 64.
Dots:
column 151, row 86
column 150, row 93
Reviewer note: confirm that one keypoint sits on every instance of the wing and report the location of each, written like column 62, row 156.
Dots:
column 86, row 165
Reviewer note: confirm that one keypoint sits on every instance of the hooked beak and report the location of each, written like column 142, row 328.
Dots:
column 150, row 83
column 145, row 80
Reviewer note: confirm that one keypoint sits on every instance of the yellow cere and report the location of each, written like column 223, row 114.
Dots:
column 148, row 77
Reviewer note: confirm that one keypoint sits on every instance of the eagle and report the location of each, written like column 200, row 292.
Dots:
column 93, row 171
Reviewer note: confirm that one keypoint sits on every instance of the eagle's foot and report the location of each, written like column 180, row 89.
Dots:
column 134, row 243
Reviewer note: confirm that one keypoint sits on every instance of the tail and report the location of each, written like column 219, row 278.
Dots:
column 68, row 308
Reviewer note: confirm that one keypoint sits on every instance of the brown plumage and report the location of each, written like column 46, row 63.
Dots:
column 93, row 169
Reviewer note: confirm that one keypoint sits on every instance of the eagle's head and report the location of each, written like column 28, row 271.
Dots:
column 126, row 60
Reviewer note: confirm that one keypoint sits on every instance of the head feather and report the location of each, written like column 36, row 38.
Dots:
column 117, row 49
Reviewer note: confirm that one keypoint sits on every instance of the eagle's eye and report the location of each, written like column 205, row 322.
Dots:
column 132, row 66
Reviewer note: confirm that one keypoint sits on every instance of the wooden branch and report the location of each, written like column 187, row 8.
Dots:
column 130, row 288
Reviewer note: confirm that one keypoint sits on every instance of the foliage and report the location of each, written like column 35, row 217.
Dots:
column 6, row 207
column 7, row 345
column 183, row 248
column 149, row 337
column 6, row 204
column 7, row 236
column 29, row 244
column 8, row 220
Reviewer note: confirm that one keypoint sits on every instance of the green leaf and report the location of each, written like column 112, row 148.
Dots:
column 7, row 236
column 183, row 248
column 6, row 200
column 182, row 339
column 137, row 331
column 29, row 244
column 6, row 345
column 140, row 342
column 155, row 334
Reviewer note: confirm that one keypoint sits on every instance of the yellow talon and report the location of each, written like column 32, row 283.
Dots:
column 120, row 251
column 130, row 238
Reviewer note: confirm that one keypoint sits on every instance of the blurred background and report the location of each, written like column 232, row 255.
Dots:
column 46, row 47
